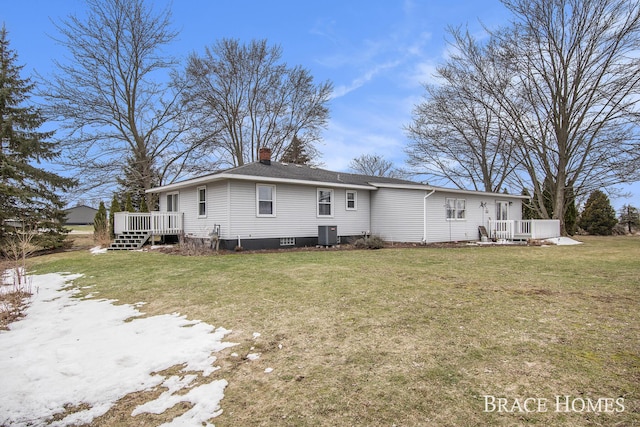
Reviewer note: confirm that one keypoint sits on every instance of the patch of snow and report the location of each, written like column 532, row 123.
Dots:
column 268, row 370
column 98, row 250
column 71, row 351
column 256, row 335
column 205, row 398
column 253, row 356
column 10, row 278
column 563, row 241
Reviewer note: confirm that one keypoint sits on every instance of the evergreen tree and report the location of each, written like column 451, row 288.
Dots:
column 630, row 217
column 296, row 153
column 143, row 205
column 100, row 226
column 134, row 180
column 128, row 204
column 28, row 192
column 113, row 209
column 598, row 217
column 528, row 212
column 571, row 212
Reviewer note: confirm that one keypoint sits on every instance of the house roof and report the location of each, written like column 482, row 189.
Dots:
column 277, row 172
column 308, row 173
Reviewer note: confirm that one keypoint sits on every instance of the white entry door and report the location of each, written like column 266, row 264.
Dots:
column 502, row 211
column 172, row 206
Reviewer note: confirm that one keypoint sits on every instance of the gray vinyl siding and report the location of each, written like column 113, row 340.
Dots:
column 232, row 205
column 216, row 208
column 398, row 215
column 295, row 212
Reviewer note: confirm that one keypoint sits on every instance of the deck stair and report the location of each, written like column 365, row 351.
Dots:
column 129, row 240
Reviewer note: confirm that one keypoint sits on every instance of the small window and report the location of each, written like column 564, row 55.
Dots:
column 202, row 202
column 325, row 202
column 456, row 209
column 352, row 200
column 287, row 241
column 172, row 202
column 266, row 200
column 461, row 209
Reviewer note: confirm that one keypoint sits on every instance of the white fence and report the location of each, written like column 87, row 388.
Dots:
column 526, row 229
column 159, row 223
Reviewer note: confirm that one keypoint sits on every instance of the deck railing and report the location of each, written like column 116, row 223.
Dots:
column 525, row 229
column 160, row 223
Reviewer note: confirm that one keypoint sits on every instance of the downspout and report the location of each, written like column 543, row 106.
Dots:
column 424, row 234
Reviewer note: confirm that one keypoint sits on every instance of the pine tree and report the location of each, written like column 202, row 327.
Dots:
column 528, row 212
column 128, row 204
column 113, row 209
column 28, row 192
column 629, row 217
column 100, row 226
column 296, row 153
column 143, row 205
column 571, row 212
column 598, row 217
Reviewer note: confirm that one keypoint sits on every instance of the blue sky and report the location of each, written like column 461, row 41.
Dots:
column 377, row 53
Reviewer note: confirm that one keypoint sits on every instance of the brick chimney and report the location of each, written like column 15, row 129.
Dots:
column 264, row 155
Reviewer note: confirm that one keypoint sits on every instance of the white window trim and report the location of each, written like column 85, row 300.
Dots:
column 355, row 200
column 172, row 194
column 330, row 204
column 287, row 241
column 202, row 187
column 507, row 204
column 455, row 209
column 273, row 201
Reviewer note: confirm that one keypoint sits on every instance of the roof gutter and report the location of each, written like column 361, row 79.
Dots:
column 224, row 176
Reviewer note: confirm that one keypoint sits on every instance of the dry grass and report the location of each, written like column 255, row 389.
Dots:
column 13, row 300
column 400, row 336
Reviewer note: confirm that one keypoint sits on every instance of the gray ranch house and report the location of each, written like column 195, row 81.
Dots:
column 269, row 204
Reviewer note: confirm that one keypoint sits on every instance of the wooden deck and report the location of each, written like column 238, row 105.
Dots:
column 154, row 223
column 524, row 229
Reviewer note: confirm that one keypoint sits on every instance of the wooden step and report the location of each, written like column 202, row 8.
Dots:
column 129, row 240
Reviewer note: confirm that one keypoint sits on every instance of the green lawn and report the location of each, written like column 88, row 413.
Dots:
column 400, row 337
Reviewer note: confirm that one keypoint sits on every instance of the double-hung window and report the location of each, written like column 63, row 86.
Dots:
column 352, row 200
column 266, row 200
column 172, row 202
column 202, row 202
column 456, row 209
column 325, row 202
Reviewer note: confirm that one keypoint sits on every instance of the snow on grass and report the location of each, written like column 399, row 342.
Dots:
column 563, row 241
column 69, row 351
column 98, row 250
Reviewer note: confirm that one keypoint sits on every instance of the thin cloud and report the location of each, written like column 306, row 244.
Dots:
column 360, row 81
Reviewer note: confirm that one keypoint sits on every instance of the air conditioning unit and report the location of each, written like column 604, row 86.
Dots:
column 327, row 235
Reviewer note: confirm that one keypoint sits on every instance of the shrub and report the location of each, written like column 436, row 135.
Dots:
column 369, row 242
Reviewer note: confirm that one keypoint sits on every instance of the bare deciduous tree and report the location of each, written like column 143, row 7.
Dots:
column 243, row 98
column 576, row 87
column 568, row 95
column 374, row 165
column 118, row 111
column 458, row 133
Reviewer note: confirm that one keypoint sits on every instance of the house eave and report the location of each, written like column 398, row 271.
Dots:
column 426, row 187
column 230, row 176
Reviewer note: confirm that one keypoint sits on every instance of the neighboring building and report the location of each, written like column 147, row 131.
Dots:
column 270, row 205
column 80, row 215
